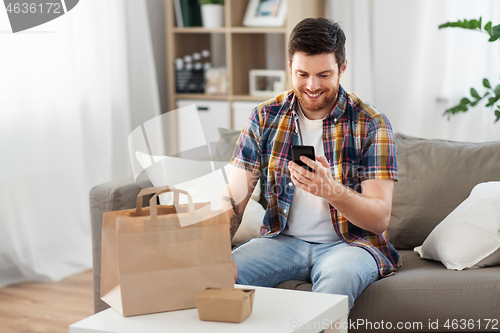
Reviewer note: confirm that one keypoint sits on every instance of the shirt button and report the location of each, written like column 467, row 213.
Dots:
column 334, row 119
column 286, row 212
column 290, row 184
column 296, row 130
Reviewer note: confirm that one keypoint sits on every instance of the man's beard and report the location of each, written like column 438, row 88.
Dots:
column 328, row 98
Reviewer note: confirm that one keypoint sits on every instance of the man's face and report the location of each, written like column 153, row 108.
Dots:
column 315, row 81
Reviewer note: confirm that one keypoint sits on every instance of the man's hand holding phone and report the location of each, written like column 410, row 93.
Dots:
column 317, row 178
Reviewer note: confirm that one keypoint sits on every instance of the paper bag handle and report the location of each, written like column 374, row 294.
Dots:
column 156, row 191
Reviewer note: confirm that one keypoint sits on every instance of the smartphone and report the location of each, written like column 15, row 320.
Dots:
column 307, row 151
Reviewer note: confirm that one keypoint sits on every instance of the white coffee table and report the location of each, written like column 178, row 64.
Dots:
column 274, row 310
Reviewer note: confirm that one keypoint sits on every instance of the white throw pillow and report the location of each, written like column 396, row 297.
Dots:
column 203, row 184
column 469, row 237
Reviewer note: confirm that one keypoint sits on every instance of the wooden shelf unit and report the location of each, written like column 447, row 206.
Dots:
column 245, row 48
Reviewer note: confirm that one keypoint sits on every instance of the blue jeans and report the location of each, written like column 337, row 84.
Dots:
column 335, row 268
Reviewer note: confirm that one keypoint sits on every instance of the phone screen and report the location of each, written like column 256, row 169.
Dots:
column 307, row 151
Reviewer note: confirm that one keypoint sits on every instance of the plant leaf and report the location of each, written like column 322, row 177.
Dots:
column 455, row 109
column 492, row 101
column 465, row 24
column 487, row 27
column 449, row 25
column 497, row 91
column 464, row 101
column 475, row 24
column 497, row 113
column 495, row 30
column 448, row 112
column 494, row 33
column 474, row 93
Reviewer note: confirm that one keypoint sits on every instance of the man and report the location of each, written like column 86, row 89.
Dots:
column 328, row 226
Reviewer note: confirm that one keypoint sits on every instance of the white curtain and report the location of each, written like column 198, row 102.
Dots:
column 400, row 62
column 71, row 91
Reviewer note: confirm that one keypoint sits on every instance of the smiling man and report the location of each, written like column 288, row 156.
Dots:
column 328, row 227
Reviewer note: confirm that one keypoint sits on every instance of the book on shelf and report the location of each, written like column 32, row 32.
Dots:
column 187, row 13
column 178, row 13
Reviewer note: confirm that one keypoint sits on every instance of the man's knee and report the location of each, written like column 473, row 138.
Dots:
column 268, row 262
column 347, row 273
column 335, row 276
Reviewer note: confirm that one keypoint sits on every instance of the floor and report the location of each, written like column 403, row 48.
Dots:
column 46, row 307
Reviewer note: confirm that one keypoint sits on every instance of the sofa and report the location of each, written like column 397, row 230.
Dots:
column 435, row 176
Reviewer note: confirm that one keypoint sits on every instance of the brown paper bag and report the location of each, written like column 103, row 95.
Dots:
column 152, row 264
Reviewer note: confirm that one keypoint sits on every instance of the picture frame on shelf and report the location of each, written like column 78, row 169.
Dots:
column 266, row 82
column 265, row 13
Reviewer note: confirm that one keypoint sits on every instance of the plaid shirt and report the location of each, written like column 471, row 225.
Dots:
column 358, row 143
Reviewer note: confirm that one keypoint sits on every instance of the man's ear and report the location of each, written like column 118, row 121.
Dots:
column 290, row 64
column 343, row 68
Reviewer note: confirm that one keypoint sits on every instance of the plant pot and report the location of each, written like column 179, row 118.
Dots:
column 212, row 16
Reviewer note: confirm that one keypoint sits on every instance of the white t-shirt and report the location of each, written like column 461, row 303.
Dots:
column 309, row 216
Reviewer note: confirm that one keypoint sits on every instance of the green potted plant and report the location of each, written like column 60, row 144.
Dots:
column 212, row 13
column 493, row 93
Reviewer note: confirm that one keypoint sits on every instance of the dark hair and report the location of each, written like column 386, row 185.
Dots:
column 316, row 36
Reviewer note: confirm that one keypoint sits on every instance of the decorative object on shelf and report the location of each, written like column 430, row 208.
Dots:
column 212, row 13
column 265, row 13
column 494, row 93
column 216, row 80
column 187, row 13
column 265, row 82
column 190, row 72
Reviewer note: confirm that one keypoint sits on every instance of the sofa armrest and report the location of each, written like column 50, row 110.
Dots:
column 111, row 196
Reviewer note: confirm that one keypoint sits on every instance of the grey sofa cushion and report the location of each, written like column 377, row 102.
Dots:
column 424, row 290
column 435, row 176
column 227, row 142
